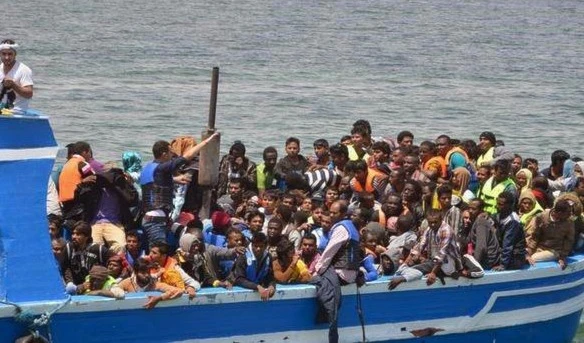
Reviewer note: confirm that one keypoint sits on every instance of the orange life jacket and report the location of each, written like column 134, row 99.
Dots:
column 69, row 178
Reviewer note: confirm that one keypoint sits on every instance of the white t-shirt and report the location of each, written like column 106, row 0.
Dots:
column 22, row 75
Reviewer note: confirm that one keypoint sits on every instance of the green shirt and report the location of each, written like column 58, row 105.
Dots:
column 264, row 178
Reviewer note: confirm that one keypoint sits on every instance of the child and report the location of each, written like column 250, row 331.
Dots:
column 253, row 269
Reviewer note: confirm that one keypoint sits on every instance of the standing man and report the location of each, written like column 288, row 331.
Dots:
column 16, row 78
column 265, row 171
column 498, row 183
column 337, row 266
column 490, row 153
column 157, row 183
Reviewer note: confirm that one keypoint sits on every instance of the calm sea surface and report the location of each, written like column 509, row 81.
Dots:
column 122, row 74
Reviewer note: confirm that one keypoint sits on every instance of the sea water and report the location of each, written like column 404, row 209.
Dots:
column 123, row 74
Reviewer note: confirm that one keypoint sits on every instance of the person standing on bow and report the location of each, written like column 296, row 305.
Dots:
column 16, row 78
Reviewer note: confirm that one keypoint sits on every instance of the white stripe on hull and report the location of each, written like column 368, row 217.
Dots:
column 28, row 154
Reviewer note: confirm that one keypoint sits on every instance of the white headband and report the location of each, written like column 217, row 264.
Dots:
column 5, row 46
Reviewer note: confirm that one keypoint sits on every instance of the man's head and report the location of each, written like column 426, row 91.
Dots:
column 255, row 221
column 338, row 211
column 501, row 170
column 161, row 151
column 270, row 157
column 321, row 147
column 443, row 145
column 326, row 221
column 292, row 146
column 434, row 218
column 562, row 210
column 397, row 177
column 259, row 242
column 55, row 225
column 159, row 252
column 505, row 204
column 487, row 140
column 393, row 205
column 58, row 244
column 308, row 245
column 427, row 150
column 366, row 200
column 475, row 207
column 98, row 275
column 132, row 241
column 115, row 265
column 412, row 191
column 83, row 149
column 405, row 138
column 444, row 193
column 80, row 234
column 8, row 52
column 359, row 136
column 483, row 173
column 340, row 155
column 237, row 149
column 558, row 158
column 275, row 227
column 398, row 155
column 532, row 164
column 381, row 151
column 142, row 272
column 360, row 169
column 411, row 163
column 236, row 188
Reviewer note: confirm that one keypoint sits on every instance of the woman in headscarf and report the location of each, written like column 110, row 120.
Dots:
column 460, row 181
column 132, row 162
column 523, row 179
column 528, row 207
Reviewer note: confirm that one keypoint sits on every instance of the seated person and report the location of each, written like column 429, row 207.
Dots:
column 367, row 265
column 118, row 268
column 550, row 234
column 400, row 245
column 166, row 269
column 435, row 256
column 253, row 270
column 80, row 255
column 133, row 247
column 288, row 267
column 141, row 281
column 308, row 253
column 99, row 282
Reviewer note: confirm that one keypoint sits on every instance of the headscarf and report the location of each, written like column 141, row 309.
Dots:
column 132, row 161
column 526, row 217
column 528, row 177
column 463, row 176
column 181, row 144
column 568, row 168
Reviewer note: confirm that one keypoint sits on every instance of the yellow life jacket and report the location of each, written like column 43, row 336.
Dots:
column 489, row 193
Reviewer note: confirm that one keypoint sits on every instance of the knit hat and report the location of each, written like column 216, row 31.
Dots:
column 237, row 146
column 489, row 136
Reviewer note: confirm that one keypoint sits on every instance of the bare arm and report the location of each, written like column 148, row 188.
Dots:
column 193, row 151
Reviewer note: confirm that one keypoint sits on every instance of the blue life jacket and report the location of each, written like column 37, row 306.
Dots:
column 349, row 256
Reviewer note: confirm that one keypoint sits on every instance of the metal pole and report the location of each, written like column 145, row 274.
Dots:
column 213, row 102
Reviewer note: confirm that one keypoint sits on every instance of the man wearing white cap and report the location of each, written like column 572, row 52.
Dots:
column 16, row 77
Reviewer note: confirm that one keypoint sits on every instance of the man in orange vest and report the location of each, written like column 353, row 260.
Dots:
column 75, row 170
column 368, row 180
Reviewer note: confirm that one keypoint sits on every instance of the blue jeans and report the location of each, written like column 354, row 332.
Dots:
column 155, row 229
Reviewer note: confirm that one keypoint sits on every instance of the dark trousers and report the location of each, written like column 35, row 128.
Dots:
column 328, row 296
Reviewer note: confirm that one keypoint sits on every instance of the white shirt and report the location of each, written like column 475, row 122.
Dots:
column 22, row 75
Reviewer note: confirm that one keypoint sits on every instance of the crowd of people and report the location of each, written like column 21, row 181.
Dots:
column 348, row 213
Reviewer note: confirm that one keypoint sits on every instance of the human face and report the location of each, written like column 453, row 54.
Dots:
column 143, row 278
column 533, row 167
column 484, row 144
column 270, row 203
column 502, row 207
column 156, row 256
column 380, row 156
column 425, row 153
column 8, row 56
column 345, row 184
column 234, row 188
column 336, row 214
column 501, row 174
column 521, row 179
column 357, row 139
column 292, row 149
column 443, row 146
column 434, row 222
column 270, row 159
column 516, row 164
column 445, row 200
column 306, row 205
column 455, row 181
column 288, row 201
column 526, row 205
column 308, row 247
column 410, row 164
column 256, row 223
column 317, row 215
column 95, row 283
column 407, row 141
column 258, row 249
column 394, row 205
column 370, row 242
column 326, row 223
column 339, row 160
column 198, row 245
column 78, row 239
column 53, row 230
column 235, row 239
column 397, row 156
column 320, row 151
column 409, row 192
column 466, row 221
column 474, row 210
column 331, row 195
column 483, row 174
column 274, row 230
column 426, row 193
column 396, row 177
column 361, row 176
column 132, row 243
column 57, row 248
column 355, row 215
column 115, row 269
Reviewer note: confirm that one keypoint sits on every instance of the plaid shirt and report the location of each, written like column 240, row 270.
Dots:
column 439, row 245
